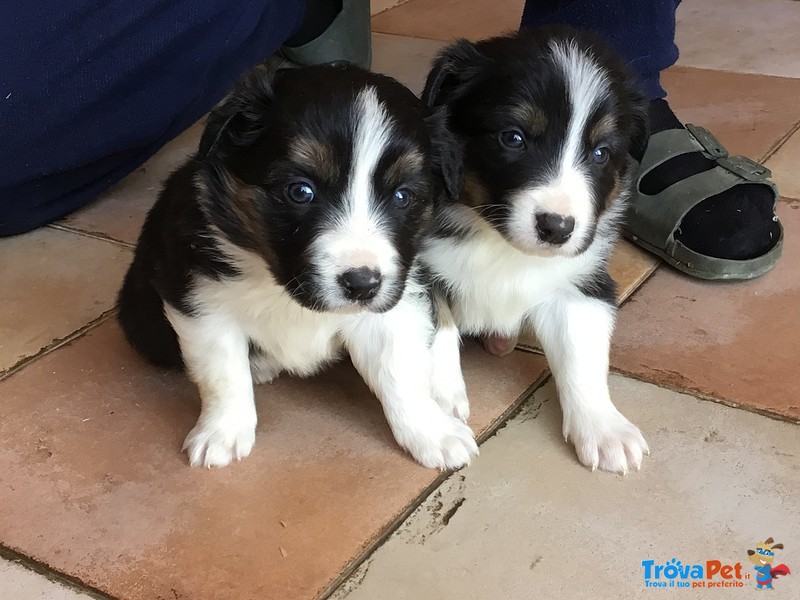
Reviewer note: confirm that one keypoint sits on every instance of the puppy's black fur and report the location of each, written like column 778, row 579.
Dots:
column 509, row 83
column 235, row 189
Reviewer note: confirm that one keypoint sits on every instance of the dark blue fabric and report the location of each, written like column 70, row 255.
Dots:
column 643, row 31
column 90, row 89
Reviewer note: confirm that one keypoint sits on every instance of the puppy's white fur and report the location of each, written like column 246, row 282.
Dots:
column 392, row 350
column 358, row 238
column 502, row 286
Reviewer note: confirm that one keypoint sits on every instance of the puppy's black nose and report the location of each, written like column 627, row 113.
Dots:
column 361, row 283
column 554, row 229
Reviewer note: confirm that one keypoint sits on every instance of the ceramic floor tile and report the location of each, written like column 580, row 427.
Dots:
column 450, row 19
column 526, row 521
column 785, row 166
column 52, row 283
column 748, row 113
column 737, row 342
column 630, row 266
column 406, row 59
column 95, row 486
column 740, row 35
column 378, row 6
column 19, row 583
column 120, row 211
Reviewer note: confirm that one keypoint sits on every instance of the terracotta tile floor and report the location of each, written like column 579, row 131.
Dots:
column 734, row 342
column 785, row 165
column 45, row 298
column 119, row 213
column 93, row 486
column 96, row 486
column 450, row 19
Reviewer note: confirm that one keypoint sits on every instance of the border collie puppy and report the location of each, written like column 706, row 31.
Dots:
column 290, row 238
column 550, row 123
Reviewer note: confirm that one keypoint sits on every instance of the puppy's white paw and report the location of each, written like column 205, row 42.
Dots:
column 219, row 439
column 439, row 442
column 452, row 398
column 606, row 440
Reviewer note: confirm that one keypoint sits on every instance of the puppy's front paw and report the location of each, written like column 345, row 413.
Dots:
column 451, row 395
column 454, row 402
column 606, row 440
column 439, row 442
column 218, row 439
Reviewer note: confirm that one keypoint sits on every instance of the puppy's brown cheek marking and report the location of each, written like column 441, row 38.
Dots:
column 425, row 220
column 614, row 194
column 532, row 118
column 474, row 193
column 421, row 225
column 242, row 201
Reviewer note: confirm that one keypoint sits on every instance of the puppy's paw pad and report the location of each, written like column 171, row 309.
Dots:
column 608, row 442
column 215, row 443
column 451, row 445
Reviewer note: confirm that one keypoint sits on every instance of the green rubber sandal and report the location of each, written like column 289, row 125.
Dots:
column 346, row 40
column 652, row 220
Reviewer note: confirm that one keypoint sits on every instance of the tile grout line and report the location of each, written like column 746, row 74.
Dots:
column 57, row 577
column 706, row 397
column 412, row 37
column 387, row 9
column 92, row 235
column 729, row 71
column 57, row 343
column 772, row 150
column 493, row 429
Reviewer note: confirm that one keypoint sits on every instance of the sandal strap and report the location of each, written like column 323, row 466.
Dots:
column 647, row 214
column 670, row 143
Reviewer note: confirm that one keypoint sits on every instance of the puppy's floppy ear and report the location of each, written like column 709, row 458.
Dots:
column 454, row 68
column 239, row 119
column 446, row 153
column 640, row 125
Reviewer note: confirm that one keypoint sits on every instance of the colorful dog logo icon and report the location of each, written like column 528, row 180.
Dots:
column 762, row 558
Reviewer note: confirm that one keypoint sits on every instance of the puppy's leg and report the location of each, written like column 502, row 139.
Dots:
column 263, row 367
column 216, row 356
column 575, row 334
column 391, row 352
column 449, row 389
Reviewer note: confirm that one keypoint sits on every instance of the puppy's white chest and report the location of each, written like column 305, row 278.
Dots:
column 494, row 287
column 299, row 340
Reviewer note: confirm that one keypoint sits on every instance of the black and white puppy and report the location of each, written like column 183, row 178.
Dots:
column 290, row 238
column 549, row 120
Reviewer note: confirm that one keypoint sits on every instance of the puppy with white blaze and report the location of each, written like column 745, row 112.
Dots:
column 290, row 239
column 550, row 124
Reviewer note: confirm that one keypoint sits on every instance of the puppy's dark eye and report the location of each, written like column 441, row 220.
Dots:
column 600, row 155
column 300, row 192
column 513, row 139
column 402, row 197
